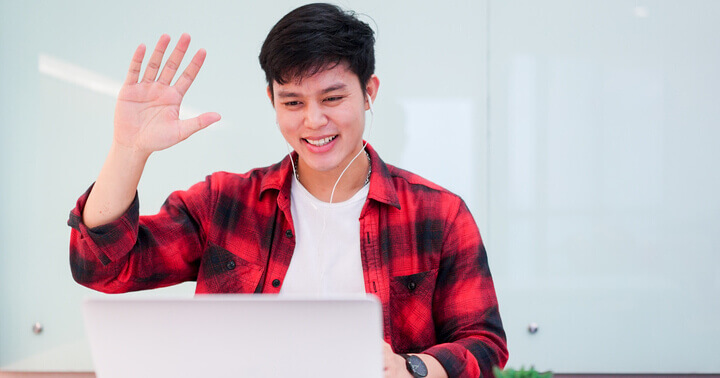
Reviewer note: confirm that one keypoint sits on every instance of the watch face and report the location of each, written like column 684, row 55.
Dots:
column 416, row 366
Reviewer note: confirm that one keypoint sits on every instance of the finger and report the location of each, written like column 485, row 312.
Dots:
column 135, row 65
column 188, row 76
column 154, row 63
column 191, row 126
column 173, row 62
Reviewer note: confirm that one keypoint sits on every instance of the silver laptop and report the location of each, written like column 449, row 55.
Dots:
column 235, row 336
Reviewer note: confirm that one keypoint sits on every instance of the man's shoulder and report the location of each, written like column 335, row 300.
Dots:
column 400, row 175
column 255, row 174
column 417, row 186
column 252, row 181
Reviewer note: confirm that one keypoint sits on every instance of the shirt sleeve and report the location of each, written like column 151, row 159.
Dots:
column 465, row 306
column 141, row 252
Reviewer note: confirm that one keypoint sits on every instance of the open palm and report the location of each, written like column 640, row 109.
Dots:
column 147, row 112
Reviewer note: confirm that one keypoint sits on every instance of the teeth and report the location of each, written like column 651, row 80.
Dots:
column 320, row 142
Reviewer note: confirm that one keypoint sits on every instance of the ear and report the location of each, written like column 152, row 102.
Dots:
column 270, row 96
column 371, row 88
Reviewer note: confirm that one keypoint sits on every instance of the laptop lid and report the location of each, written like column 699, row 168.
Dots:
column 235, row 336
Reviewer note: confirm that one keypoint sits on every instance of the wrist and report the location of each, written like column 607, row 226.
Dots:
column 434, row 367
column 415, row 365
column 129, row 154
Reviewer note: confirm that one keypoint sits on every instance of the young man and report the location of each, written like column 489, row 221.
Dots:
column 329, row 218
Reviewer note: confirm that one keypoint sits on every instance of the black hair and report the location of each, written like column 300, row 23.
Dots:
column 316, row 37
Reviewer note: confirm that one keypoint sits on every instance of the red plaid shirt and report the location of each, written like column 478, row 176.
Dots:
column 422, row 255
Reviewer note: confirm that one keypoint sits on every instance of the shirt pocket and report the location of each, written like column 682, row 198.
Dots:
column 411, row 297
column 222, row 271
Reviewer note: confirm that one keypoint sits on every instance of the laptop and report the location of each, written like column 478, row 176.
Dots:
column 235, row 336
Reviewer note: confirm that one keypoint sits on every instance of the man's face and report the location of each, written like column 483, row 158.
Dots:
column 323, row 117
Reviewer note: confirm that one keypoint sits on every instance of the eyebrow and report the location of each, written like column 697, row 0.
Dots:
column 332, row 88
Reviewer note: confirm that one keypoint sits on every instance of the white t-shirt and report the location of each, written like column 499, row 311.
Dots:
column 327, row 258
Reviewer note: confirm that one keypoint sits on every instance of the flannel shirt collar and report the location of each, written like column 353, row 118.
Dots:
column 279, row 177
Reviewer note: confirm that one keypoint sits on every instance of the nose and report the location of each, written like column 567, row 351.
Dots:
column 315, row 116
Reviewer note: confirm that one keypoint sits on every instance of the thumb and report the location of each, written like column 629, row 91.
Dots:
column 191, row 126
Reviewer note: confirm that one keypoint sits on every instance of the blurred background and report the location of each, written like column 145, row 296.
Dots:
column 582, row 134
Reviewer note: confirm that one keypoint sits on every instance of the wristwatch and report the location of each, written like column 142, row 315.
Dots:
column 415, row 365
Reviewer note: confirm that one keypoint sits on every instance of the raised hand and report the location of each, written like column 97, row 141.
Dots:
column 146, row 120
column 147, row 109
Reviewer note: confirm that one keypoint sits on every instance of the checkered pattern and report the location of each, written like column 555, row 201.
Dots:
column 421, row 251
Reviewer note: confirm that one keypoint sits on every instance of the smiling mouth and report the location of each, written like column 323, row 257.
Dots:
column 320, row 142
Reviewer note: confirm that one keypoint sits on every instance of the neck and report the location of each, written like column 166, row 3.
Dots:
column 320, row 184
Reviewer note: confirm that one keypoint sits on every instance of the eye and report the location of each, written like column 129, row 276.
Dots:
column 291, row 104
column 334, row 98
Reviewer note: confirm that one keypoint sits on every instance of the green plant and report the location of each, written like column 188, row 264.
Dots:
column 522, row 373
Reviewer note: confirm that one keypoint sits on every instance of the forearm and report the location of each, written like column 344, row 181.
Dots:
column 115, row 187
column 142, row 252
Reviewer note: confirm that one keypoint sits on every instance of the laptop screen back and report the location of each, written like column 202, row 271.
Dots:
column 235, row 336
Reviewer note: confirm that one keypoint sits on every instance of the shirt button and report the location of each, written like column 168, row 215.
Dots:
column 411, row 286
column 230, row 265
column 276, row 282
column 288, row 233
